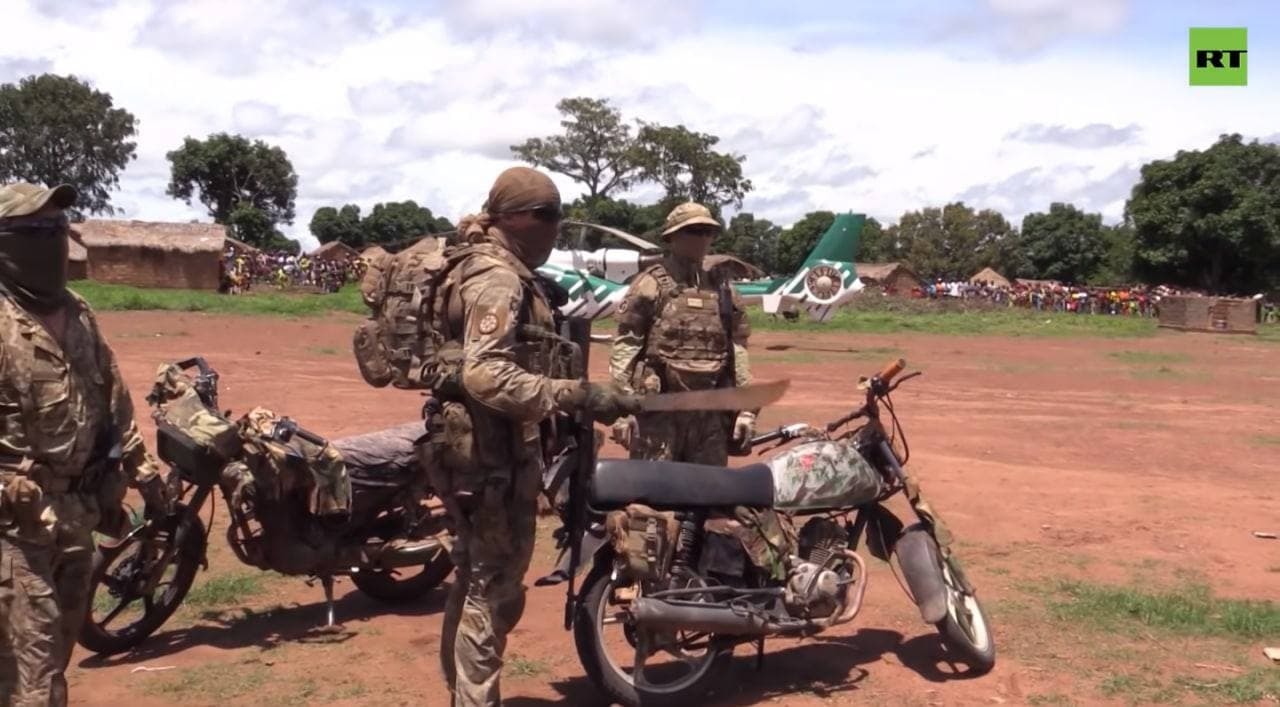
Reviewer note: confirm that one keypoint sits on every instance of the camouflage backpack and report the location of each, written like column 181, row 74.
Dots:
column 396, row 344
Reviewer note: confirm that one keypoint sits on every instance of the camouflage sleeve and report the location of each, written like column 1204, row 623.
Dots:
column 741, row 365
column 491, row 302
column 741, row 323
column 10, row 406
column 137, row 463
column 635, row 316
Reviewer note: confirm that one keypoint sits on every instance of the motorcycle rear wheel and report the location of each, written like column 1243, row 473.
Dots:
column 392, row 587
column 610, row 678
column 119, row 576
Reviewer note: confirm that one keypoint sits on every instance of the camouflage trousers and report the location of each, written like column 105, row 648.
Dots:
column 693, row 437
column 44, row 594
column 491, row 552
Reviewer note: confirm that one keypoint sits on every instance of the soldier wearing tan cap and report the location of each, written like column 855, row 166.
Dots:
column 63, row 408
column 681, row 329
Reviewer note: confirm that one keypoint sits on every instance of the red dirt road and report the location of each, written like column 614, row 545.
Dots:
column 1049, row 458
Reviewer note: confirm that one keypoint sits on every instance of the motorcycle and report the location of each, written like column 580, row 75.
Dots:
column 392, row 527
column 659, row 629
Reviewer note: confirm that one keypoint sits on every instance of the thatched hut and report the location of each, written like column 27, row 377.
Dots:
column 1033, row 284
column 1215, row 314
column 77, row 260
column 153, row 254
column 335, row 251
column 893, row 278
column 732, row 268
column 988, row 276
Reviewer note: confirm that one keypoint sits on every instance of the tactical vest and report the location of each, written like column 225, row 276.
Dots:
column 690, row 343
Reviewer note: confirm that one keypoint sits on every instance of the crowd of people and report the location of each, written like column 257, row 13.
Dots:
column 242, row 270
column 1134, row 300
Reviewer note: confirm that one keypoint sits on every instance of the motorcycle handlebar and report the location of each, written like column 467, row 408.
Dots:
column 892, row 369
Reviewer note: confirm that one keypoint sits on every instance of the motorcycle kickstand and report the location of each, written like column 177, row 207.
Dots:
column 760, row 654
column 326, row 581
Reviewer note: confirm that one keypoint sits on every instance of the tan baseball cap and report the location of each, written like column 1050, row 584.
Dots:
column 23, row 199
column 688, row 214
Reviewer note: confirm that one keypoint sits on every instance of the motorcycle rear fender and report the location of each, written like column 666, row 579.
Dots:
column 921, row 563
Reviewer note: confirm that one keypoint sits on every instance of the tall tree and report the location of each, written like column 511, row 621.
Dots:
column 58, row 129
column 951, row 242
column 395, row 221
column 1210, row 219
column 1117, row 259
column 329, row 224
column 683, row 162
column 874, row 245
column 1065, row 244
column 230, row 174
column 596, row 148
column 795, row 243
column 753, row 240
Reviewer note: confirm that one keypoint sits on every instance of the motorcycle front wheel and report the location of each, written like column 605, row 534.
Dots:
column 133, row 593
column 965, row 629
column 681, row 669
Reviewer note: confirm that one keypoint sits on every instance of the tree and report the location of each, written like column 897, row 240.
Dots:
column 396, row 221
column 874, row 245
column 329, row 224
column 795, row 243
column 1065, row 244
column 230, row 173
column 683, row 163
column 251, row 225
column 951, row 242
column 596, row 149
column 1117, row 258
column 753, row 240
column 1210, row 219
column 644, row 221
column 58, row 129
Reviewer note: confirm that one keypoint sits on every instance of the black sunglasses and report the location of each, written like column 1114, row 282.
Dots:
column 547, row 213
column 36, row 224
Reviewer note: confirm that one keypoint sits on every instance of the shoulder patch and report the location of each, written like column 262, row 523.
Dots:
column 489, row 323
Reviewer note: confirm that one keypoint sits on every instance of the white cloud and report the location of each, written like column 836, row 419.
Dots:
column 374, row 105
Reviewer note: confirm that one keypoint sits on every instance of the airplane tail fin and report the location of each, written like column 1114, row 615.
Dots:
column 840, row 242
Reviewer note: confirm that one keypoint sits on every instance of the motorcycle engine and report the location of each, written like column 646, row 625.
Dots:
column 813, row 590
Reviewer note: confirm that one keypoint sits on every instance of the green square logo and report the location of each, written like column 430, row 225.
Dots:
column 1219, row 56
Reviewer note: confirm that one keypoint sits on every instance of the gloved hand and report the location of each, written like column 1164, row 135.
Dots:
column 624, row 431
column 156, row 496
column 744, row 428
column 607, row 402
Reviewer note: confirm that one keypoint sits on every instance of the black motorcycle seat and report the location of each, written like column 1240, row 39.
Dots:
column 667, row 485
column 384, row 455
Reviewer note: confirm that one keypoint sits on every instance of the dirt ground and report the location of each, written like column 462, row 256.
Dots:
column 1145, row 462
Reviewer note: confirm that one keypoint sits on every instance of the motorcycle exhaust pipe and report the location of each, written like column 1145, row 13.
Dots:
column 657, row 614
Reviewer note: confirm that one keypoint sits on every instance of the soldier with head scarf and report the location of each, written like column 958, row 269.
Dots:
column 63, row 408
column 491, row 448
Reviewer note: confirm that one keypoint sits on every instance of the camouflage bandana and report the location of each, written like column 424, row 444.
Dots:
column 33, row 266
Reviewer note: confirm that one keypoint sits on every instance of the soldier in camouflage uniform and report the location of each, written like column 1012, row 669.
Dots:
column 676, row 329
column 488, row 437
column 63, row 407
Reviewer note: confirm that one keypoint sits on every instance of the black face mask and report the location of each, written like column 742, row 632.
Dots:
column 33, row 262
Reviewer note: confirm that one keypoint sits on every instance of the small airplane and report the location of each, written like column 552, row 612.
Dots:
column 597, row 280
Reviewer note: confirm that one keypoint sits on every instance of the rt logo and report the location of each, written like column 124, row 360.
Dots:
column 1219, row 56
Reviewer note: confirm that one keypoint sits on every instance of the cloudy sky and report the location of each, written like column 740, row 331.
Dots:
column 842, row 105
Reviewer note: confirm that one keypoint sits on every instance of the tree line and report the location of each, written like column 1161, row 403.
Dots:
column 1207, row 219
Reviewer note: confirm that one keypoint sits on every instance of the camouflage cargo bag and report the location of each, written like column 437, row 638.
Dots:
column 643, row 539
column 766, row 537
column 176, row 401
column 281, row 469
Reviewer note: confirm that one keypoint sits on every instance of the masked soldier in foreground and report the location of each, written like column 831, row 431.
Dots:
column 488, row 436
column 63, row 412
column 679, row 329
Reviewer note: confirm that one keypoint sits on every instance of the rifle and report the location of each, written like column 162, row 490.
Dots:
column 581, row 465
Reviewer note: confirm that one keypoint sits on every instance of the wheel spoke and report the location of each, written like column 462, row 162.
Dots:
column 124, row 601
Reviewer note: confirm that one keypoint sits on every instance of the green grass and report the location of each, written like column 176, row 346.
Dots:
column 118, row 298
column 1267, row 440
column 1148, row 357
column 1005, row 322
column 520, row 667
column 1251, row 687
column 1269, row 333
column 324, row 350
column 1167, row 373
column 226, row 590
column 222, row 680
column 1051, row 698
column 1189, row 610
